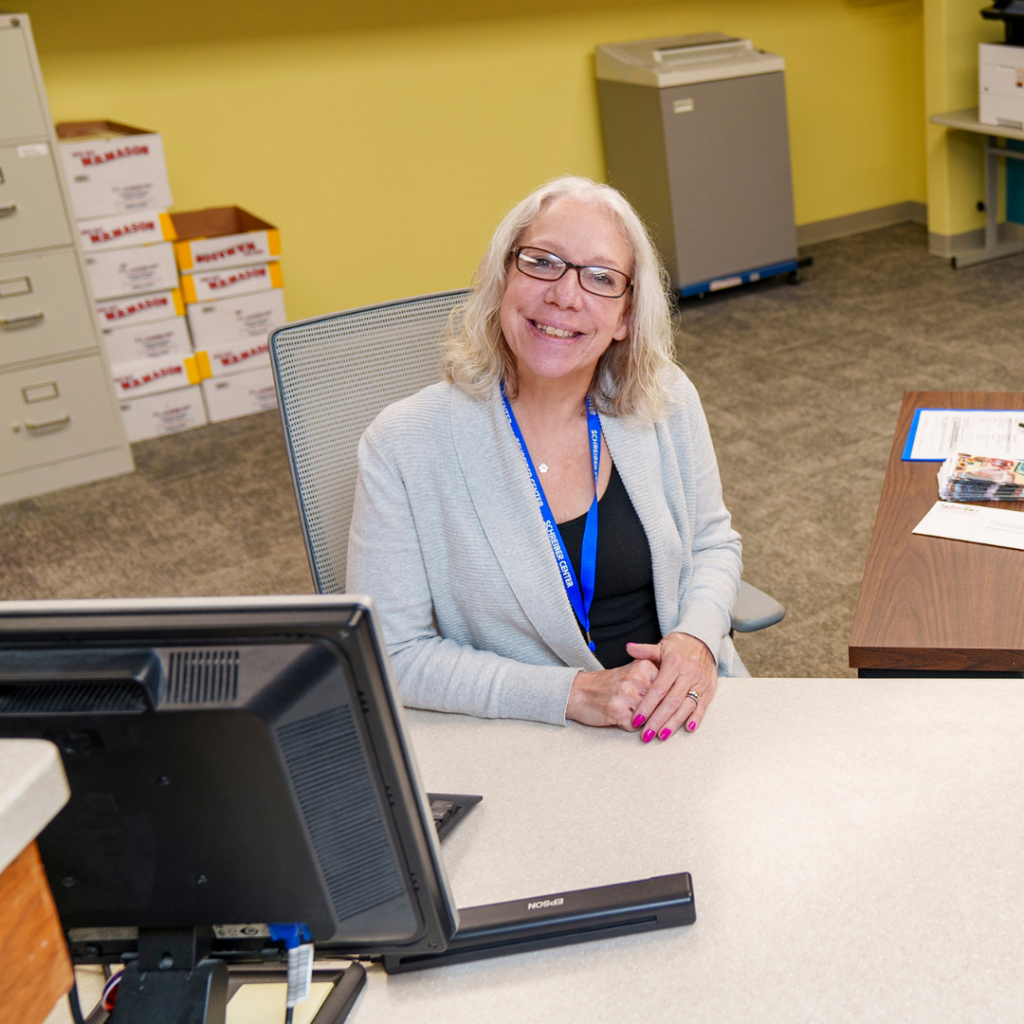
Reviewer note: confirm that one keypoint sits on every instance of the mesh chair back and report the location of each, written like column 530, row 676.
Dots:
column 334, row 375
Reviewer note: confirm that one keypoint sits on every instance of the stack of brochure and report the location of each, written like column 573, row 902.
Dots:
column 981, row 478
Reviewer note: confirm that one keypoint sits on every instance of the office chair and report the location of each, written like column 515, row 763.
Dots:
column 334, row 375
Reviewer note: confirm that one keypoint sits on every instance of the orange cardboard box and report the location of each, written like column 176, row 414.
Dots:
column 223, row 236
column 231, row 282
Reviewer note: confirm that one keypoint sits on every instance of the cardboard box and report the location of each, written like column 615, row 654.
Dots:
column 140, row 310
column 144, row 268
column 124, row 231
column 239, row 395
column 151, row 376
column 132, row 344
column 113, row 168
column 227, row 284
column 1001, row 85
column 234, row 357
column 166, row 413
column 223, row 236
column 247, row 317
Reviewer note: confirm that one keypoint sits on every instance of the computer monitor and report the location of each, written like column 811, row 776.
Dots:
column 239, row 764
column 233, row 763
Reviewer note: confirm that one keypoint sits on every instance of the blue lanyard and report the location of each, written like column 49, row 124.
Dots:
column 588, row 556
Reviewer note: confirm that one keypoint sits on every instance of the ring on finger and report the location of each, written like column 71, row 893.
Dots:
column 695, row 695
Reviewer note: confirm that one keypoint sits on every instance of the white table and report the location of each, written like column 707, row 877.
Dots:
column 967, row 121
column 856, row 849
column 33, row 788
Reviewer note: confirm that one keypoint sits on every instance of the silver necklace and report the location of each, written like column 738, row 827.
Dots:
column 544, row 467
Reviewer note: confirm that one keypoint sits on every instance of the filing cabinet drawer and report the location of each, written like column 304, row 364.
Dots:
column 31, row 212
column 21, row 112
column 44, row 310
column 55, row 412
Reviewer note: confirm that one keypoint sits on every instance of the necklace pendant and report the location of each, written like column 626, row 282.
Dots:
column 543, row 467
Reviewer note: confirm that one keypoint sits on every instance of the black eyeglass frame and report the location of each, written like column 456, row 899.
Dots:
column 567, row 267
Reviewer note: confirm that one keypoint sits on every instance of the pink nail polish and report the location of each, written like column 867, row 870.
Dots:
column 664, row 734
column 648, row 736
column 691, row 726
column 639, row 720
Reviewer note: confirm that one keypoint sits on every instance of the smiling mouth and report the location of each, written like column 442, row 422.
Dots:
column 554, row 332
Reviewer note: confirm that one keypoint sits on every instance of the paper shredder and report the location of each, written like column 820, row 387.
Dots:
column 696, row 137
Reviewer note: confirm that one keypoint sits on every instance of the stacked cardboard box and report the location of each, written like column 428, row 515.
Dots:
column 231, row 283
column 120, row 193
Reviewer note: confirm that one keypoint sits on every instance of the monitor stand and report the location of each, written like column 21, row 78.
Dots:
column 171, row 982
column 347, row 983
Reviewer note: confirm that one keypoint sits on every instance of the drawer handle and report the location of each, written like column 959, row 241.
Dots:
column 6, row 211
column 20, row 321
column 58, row 422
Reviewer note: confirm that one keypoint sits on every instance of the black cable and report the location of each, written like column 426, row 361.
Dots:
column 287, row 1015
column 74, row 1004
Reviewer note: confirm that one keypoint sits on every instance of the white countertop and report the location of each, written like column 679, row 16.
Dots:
column 856, row 849
column 967, row 120
column 33, row 789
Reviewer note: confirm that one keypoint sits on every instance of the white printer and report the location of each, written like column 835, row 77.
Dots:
column 1001, row 85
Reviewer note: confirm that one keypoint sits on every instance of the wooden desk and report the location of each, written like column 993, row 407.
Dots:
column 928, row 604
column 34, row 967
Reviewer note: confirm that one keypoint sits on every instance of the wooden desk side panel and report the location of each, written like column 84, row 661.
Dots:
column 34, row 967
column 925, row 602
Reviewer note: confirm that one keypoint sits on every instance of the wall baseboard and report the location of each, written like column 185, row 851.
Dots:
column 866, row 220
column 950, row 245
column 945, row 246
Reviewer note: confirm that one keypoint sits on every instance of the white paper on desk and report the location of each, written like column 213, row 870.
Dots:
column 939, row 433
column 1001, row 527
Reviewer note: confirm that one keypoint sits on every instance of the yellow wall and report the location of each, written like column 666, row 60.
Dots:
column 953, row 30
column 386, row 152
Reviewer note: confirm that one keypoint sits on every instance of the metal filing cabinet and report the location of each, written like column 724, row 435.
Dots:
column 59, row 422
column 696, row 137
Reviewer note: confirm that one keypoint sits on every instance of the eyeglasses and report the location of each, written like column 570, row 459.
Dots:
column 546, row 266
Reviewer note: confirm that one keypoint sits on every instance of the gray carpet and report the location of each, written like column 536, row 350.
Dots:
column 801, row 385
column 209, row 511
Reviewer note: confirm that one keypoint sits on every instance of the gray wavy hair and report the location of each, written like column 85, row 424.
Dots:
column 630, row 375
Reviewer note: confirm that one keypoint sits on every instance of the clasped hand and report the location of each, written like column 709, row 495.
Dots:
column 650, row 692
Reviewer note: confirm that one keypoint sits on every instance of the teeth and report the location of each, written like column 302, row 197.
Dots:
column 554, row 332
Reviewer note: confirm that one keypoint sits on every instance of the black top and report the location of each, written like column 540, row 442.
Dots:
column 624, row 609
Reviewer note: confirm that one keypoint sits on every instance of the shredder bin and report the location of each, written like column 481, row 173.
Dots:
column 696, row 137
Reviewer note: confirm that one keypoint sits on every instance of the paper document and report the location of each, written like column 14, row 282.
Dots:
column 1001, row 527
column 935, row 434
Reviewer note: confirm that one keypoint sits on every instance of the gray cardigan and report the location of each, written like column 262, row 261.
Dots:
column 447, row 540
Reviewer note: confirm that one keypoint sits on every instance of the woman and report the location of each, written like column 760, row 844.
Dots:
column 543, row 532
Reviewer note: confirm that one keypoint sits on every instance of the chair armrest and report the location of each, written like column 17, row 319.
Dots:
column 754, row 610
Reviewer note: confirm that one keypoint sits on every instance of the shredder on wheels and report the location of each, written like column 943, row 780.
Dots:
column 696, row 137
